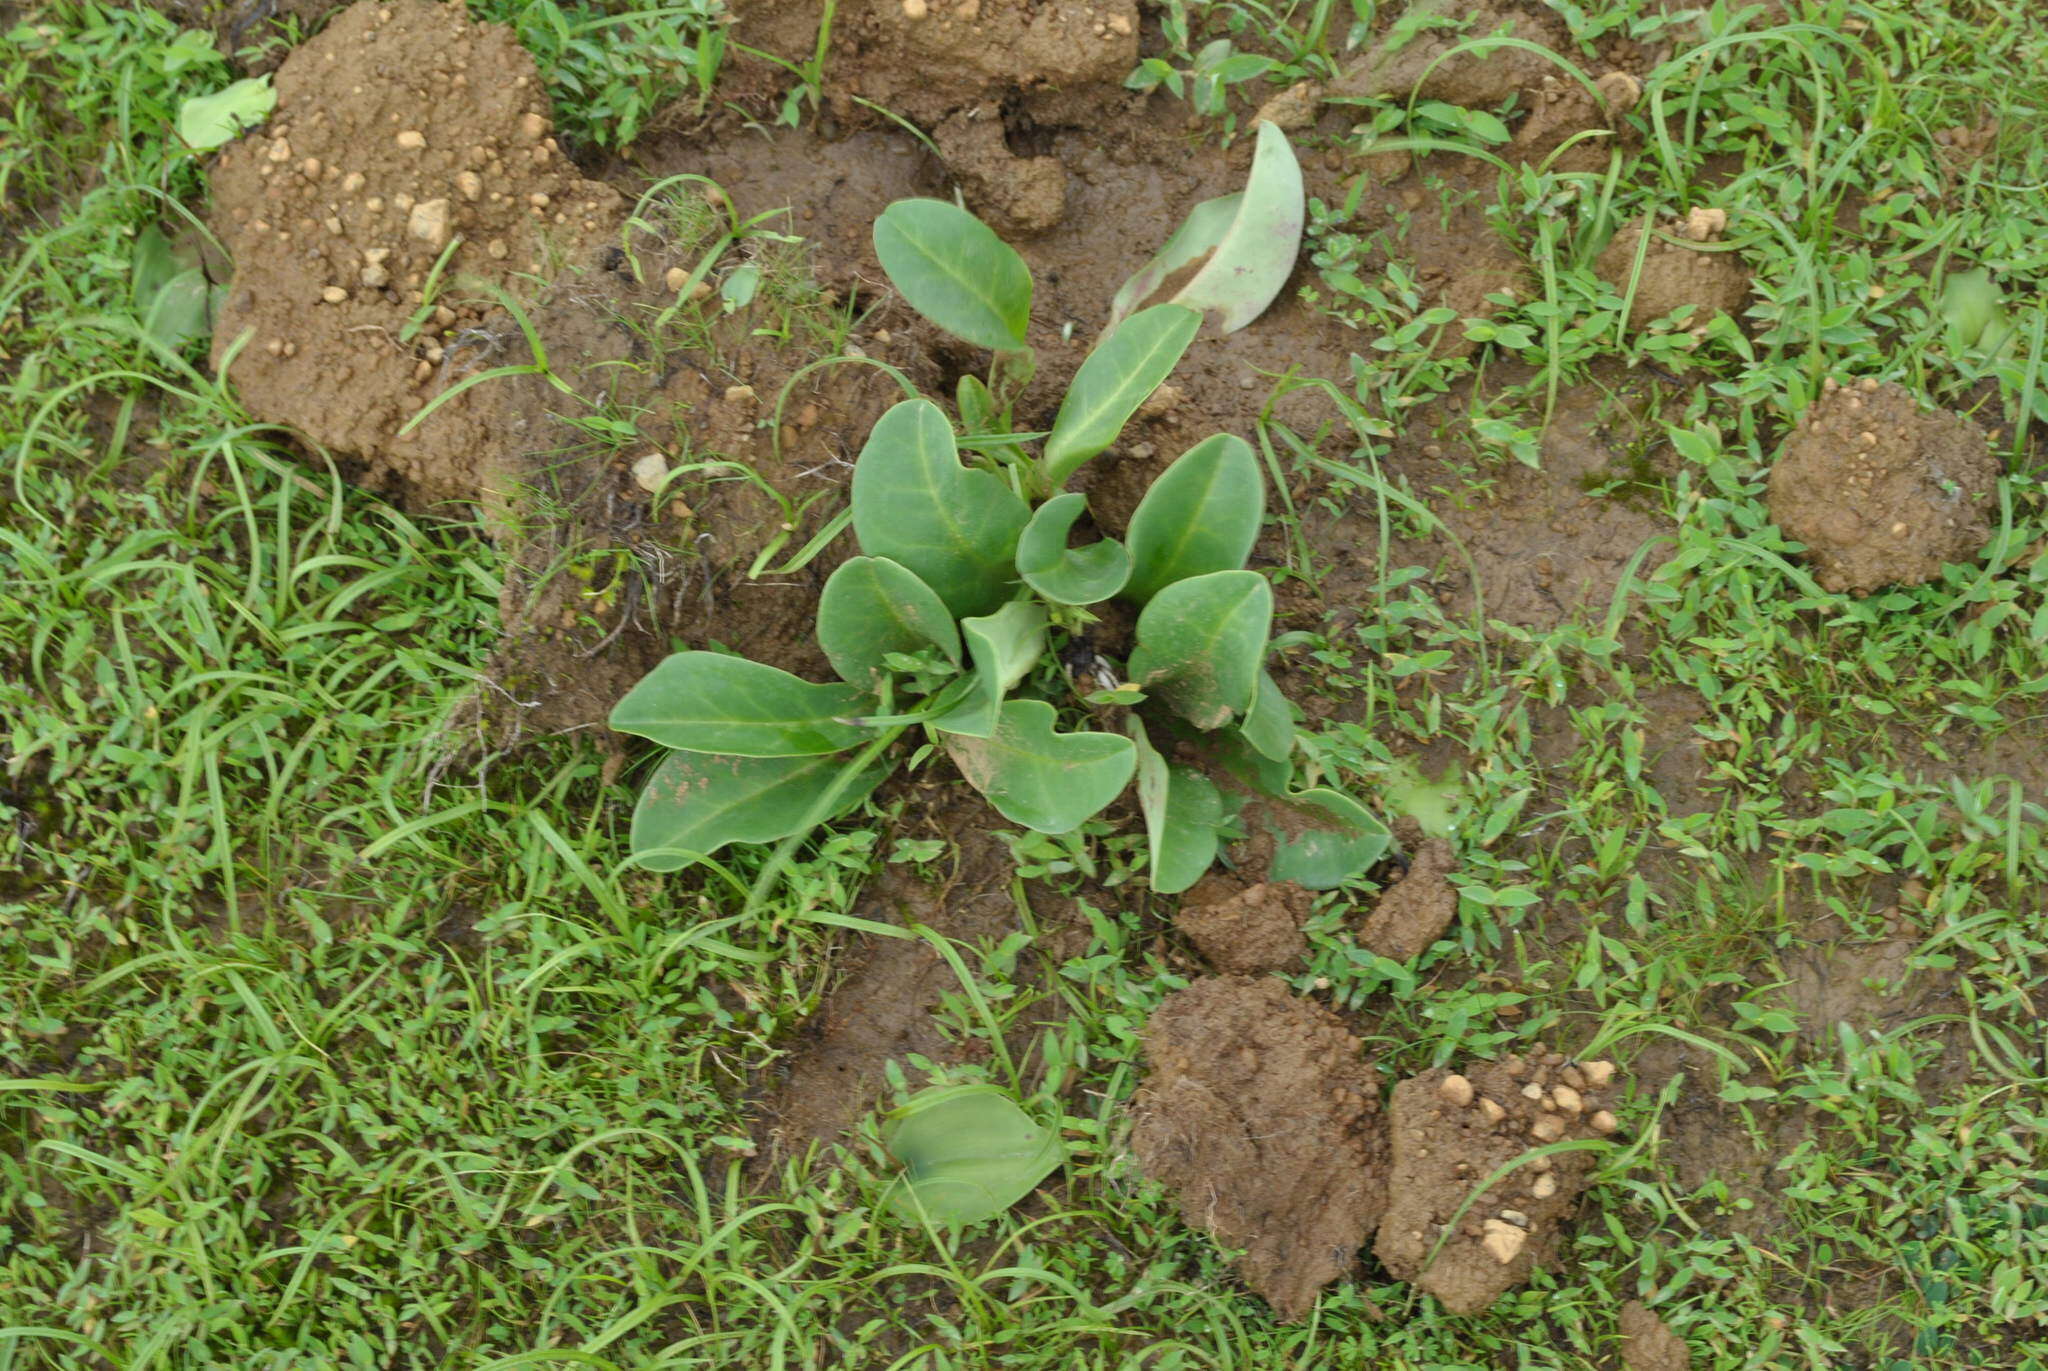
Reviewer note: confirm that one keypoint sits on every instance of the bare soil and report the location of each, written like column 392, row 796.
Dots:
column 1261, row 1113
column 1674, row 274
column 1882, row 493
column 1416, row 911
column 1243, row 928
column 1477, row 1203
column 1647, row 1344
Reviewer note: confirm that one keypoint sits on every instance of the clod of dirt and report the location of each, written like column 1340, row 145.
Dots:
column 1647, row 1345
column 1415, row 913
column 924, row 61
column 1479, row 78
column 1673, row 276
column 1450, row 1133
column 1241, row 929
column 1560, row 109
column 402, row 129
column 1020, row 196
column 1293, row 109
column 1880, row 493
column 1261, row 1115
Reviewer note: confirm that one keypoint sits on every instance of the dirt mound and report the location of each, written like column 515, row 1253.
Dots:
column 1239, row 928
column 1261, row 1115
column 1451, row 1134
column 1880, row 493
column 1415, row 913
column 924, row 59
column 407, row 170
column 1673, row 276
column 1479, row 79
column 1647, row 1345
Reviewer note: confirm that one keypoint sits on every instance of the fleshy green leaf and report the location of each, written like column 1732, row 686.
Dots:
column 1196, row 237
column 1116, row 378
column 1183, row 810
column 956, row 272
column 915, row 504
column 1270, row 725
column 1064, row 575
column 1048, row 781
column 207, row 121
column 1256, row 255
column 969, row 1152
column 709, row 702
column 696, row 804
column 871, row 607
column 1003, row 647
column 1200, row 642
column 1325, row 840
column 1201, row 515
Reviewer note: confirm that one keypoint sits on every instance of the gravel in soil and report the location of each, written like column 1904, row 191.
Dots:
column 409, row 148
column 1472, row 1213
column 1880, row 492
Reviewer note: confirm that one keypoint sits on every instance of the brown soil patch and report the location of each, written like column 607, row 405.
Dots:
column 402, row 133
column 1261, row 1114
column 1450, row 1135
column 884, row 1002
column 923, row 59
column 1647, row 1345
column 1240, row 929
column 1478, row 79
column 1546, row 546
column 1880, row 493
column 1674, row 275
column 1415, row 913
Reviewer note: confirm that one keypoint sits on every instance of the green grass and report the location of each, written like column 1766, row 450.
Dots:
column 323, row 1043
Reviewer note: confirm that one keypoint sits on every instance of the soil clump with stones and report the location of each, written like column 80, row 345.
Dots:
column 1880, row 492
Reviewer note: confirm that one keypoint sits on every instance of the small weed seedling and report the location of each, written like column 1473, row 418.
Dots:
column 966, row 574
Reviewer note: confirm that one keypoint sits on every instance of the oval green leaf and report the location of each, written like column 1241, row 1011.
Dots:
column 872, row 607
column 1256, row 254
column 1048, row 781
column 1200, row 643
column 1183, row 810
column 969, row 1152
column 1325, row 839
column 1116, row 378
column 1270, row 725
column 696, row 804
column 1196, row 237
column 1201, row 515
column 956, row 272
column 1064, row 575
column 207, row 121
column 709, row 702
column 1003, row 646
column 914, row 504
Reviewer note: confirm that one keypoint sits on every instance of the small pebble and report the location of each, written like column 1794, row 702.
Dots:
column 470, row 184
column 650, row 471
column 1503, row 1241
column 412, row 140
column 1549, row 1128
column 1603, row 1122
column 1545, row 1187
column 1567, row 1099
column 915, row 9
column 1456, row 1090
column 676, row 278
column 1493, row 1112
column 334, row 295
column 1597, row 1074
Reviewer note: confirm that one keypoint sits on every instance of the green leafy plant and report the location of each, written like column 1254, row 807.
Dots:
column 970, row 585
column 969, row 1152
column 207, row 121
